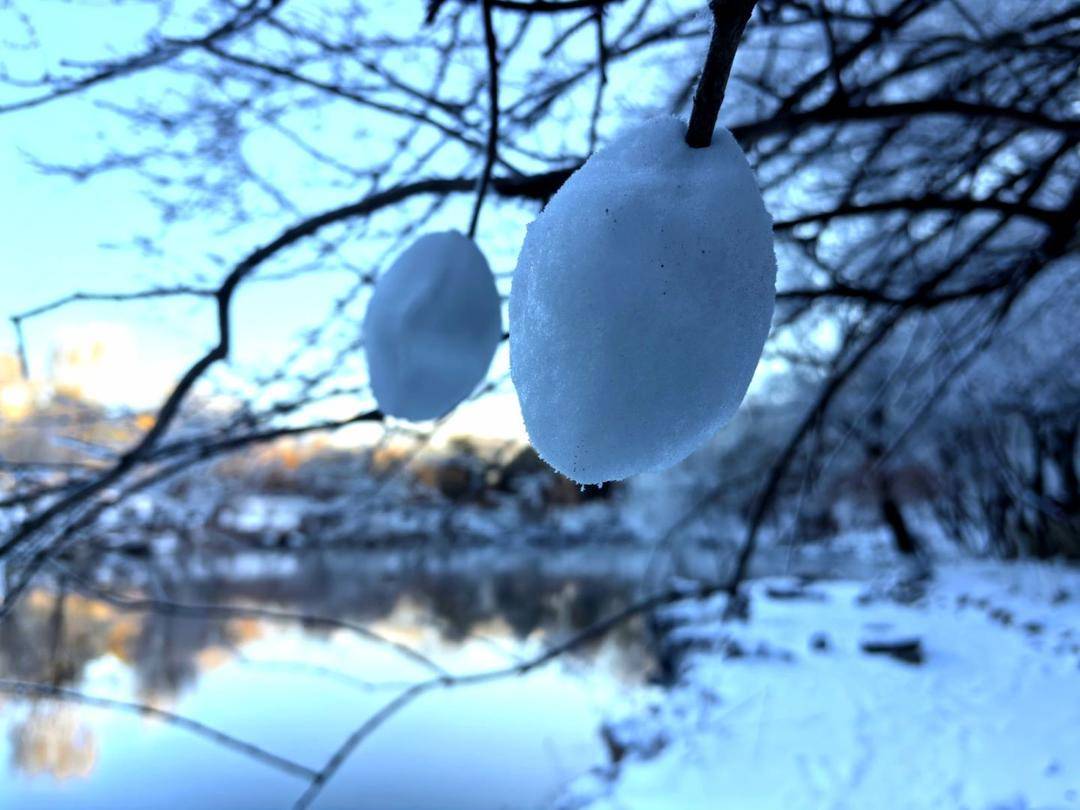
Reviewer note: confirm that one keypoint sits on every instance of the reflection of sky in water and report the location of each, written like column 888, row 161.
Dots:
column 299, row 693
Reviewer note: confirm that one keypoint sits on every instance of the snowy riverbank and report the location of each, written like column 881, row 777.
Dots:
column 978, row 707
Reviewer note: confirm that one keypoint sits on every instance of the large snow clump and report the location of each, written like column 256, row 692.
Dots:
column 641, row 302
column 432, row 327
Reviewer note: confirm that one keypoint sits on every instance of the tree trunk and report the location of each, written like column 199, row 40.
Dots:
column 906, row 541
column 1036, row 527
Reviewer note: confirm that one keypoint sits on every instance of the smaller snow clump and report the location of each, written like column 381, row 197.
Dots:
column 432, row 327
column 641, row 303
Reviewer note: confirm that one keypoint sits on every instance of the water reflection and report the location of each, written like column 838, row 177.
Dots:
column 53, row 739
column 470, row 612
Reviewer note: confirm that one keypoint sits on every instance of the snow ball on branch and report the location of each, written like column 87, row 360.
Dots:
column 641, row 303
column 432, row 327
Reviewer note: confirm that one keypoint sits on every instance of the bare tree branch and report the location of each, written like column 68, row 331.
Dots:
column 27, row 689
column 553, row 653
column 247, row 15
column 729, row 19
column 491, row 149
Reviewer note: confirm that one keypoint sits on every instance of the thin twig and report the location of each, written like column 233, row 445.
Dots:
column 18, row 318
column 339, row 756
column 20, row 348
column 601, row 76
column 492, row 146
column 45, row 690
column 137, row 295
column 729, row 19
column 165, row 51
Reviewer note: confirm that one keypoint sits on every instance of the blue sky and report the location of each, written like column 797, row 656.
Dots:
column 55, row 239
column 54, row 234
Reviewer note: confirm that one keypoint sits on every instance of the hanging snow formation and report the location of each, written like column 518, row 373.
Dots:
column 641, row 302
column 432, row 327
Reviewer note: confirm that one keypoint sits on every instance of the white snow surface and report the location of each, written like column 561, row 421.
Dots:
column 641, row 303
column 432, row 327
column 989, row 721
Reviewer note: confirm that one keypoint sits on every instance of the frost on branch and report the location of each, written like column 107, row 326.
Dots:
column 432, row 327
column 641, row 303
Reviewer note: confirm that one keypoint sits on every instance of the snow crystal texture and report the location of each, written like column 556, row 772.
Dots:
column 432, row 327
column 641, row 303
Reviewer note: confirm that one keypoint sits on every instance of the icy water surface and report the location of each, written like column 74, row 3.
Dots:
column 299, row 689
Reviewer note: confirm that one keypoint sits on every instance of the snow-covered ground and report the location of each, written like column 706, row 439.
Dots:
column 788, row 711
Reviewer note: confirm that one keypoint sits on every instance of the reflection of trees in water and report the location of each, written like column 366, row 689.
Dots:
column 41, row 644
column 166, row 653
column 461, row 600
column 52, row 740
column 53, row 636
column 525, row 594
column 50, row 639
